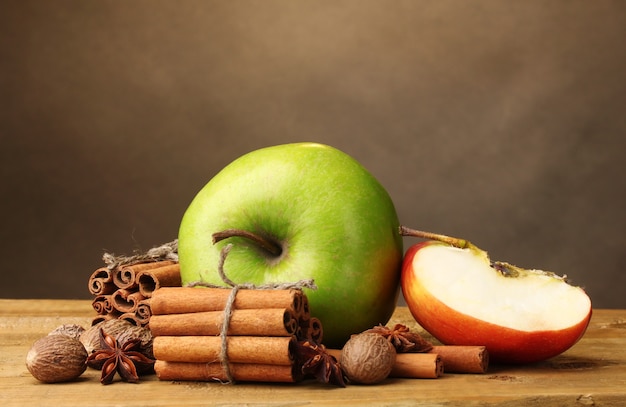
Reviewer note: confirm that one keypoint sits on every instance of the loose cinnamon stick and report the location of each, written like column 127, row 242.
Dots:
column 241, row 349
column 125, row 300
column 101, row 282
column 125, row 276
column 251, row 322
column 214, row 372
column 418, row 366
column 163, row 276
column 180, row 300
column 463, row 359
column 411, row 365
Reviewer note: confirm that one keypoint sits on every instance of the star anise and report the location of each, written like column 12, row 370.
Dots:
column 402, row 338
column 317, row 362
column 114, row 357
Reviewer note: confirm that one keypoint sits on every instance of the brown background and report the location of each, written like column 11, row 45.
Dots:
column 499, row 121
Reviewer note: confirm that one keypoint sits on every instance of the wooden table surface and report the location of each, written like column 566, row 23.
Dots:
column 592, row 373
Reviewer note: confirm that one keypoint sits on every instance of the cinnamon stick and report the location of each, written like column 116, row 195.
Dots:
column 125, row 276
column 132, row 318
column 144, row 312
column 418, row 365
column 304, row 310
column 103, row 304
column 463, row 359
column 101, row 282
column 102, row 318
column 314, row 331
column 163, row 276
column 180, row 300
column 241, row 349
column 251, row 322
column 411, row 365
column 214, row 372
column 126, row 300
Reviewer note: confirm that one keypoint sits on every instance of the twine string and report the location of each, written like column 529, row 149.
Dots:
column 167, row 251
column 229, row 307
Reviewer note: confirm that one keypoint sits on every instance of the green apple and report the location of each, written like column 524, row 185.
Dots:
column 300, row 211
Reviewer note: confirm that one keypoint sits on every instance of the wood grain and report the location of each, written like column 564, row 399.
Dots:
column 593, row 372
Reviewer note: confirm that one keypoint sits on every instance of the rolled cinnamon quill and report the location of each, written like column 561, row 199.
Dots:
column 314, row 331
column 101, row 282
column 102, row 318
column 411, row 365
column 463, row 359
column 418, row 366
column 251, row 322
column 132, row 318
column 214, row 371
column 125, row 300
column 125, row 276
column 103, row 304
column 163, row 276
column 180, row 300
column 144, row 312
column 241, row 349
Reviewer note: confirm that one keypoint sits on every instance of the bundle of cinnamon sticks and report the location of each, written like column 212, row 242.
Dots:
column 124, row 292
column 263, row 327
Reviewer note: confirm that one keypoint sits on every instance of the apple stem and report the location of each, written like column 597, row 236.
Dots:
column 506, row 269
column 452, row 241
column 265, row 243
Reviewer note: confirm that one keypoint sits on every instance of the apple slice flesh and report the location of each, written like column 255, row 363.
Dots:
column 466, row 282
column 520, row 315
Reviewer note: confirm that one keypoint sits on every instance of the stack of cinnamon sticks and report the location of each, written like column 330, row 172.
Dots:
column 262, row 330
column 124, row 292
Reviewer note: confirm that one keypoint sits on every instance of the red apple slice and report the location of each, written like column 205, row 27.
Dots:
column 462, row 298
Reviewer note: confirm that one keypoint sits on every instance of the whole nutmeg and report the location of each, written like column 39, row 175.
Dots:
column 367, row 358
column 122, row 331
column 71, row 330
column 56, row 358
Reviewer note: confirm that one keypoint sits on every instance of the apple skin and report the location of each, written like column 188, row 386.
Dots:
column 333, row 220
column 451, row 327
